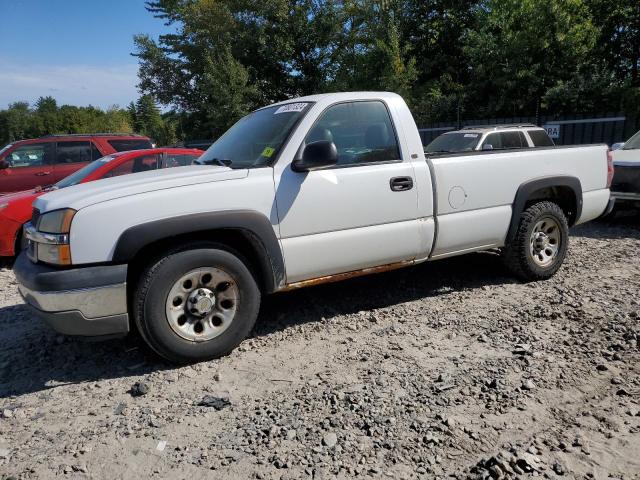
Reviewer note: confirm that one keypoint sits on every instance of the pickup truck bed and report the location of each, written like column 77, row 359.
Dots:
column 302, row 192
column 476, row 190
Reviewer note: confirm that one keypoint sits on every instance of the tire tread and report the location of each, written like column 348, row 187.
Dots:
column 516, row 256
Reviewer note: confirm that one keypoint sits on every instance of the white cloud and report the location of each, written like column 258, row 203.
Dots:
column 73, row 84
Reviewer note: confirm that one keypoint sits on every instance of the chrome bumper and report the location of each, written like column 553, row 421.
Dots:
column 626, row 196
column 90, row 302
column 85, row 301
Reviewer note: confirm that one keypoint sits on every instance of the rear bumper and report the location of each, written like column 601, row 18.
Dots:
column 626, row 196
column 89, row 301
column 610, row 205
column 626, row 181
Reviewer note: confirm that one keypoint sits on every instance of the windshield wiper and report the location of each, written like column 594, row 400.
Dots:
column 223, row 162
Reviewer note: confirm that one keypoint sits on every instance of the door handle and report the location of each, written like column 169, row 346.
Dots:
column 401, row 184
column 42, row 174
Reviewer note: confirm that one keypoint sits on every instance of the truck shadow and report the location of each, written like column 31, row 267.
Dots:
column 323, row 302
column 33, row 358
column 623, row 224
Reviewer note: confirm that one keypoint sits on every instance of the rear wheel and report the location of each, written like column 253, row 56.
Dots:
column 540, row 244
column 196, row 303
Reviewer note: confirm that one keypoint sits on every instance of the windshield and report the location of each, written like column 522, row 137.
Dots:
column 633, row 143
column 255, row 140
column 6, row 147
column 454, row 142
column 78, row 176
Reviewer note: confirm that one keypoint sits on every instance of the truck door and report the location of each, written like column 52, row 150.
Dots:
column 357, row 214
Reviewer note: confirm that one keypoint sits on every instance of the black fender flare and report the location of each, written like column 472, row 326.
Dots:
column 526, row 189
column 254, row 226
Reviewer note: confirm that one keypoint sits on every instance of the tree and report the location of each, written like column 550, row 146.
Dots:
column 447, row 57
column 46, row 115
column 21, row 121
column 16, row 122
column 619, row 37
column 228, row 57
column 522, row 48
column 148, row 121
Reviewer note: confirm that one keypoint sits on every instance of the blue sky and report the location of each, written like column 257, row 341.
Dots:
column 78, row 51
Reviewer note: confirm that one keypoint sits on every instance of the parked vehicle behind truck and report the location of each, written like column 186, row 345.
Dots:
column 37, row 162
column 490, row 137
column 306, row 191
column 626, row 180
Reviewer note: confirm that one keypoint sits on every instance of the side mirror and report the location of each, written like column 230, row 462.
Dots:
column 617, row 146
column 316, row 155
column 4, row 164
column 487, row 146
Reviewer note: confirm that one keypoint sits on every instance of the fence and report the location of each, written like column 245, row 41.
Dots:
column 567, row 130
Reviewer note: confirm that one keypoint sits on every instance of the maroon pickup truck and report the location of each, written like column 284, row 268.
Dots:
column 26, row 164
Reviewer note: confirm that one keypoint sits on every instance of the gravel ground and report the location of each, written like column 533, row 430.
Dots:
column 449, row 369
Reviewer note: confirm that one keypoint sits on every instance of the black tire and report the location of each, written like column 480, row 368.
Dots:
column 155, row 284
column 518, row 257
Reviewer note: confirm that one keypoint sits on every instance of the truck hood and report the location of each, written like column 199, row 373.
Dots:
column 85, row 194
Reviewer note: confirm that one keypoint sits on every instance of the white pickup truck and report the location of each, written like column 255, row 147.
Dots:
column 310, row 190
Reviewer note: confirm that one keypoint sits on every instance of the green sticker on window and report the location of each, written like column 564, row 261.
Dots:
column 268, row 152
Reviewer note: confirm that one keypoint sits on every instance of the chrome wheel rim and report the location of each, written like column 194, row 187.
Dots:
column 202, row 304
column 545, row 241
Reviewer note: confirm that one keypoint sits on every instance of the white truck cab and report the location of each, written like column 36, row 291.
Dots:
column 305, row 191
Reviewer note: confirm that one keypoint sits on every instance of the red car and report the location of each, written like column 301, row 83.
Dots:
column 42, row 161
column 16, row 210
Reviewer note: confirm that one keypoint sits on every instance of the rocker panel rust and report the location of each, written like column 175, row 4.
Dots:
column 345, row 276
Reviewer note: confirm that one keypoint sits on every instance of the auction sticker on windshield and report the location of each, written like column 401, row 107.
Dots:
column 268, row 152
column 291, row 107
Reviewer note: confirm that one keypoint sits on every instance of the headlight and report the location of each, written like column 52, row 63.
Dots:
column 49, row 240
column 58, row 221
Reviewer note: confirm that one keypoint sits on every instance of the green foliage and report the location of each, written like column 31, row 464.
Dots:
column 474, row 58
column 446, row 57
column 148, row 121
column 21, row 121
column 45, row 117
column 522, row 48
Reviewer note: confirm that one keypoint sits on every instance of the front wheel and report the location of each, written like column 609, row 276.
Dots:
column 540, row 244
column 196, row 303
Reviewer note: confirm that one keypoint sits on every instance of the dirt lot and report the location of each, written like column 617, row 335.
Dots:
column 446, row 369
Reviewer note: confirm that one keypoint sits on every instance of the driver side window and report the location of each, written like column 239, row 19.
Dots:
column 362, row 132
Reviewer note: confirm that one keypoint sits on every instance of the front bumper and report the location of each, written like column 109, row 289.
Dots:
column 85, row 301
